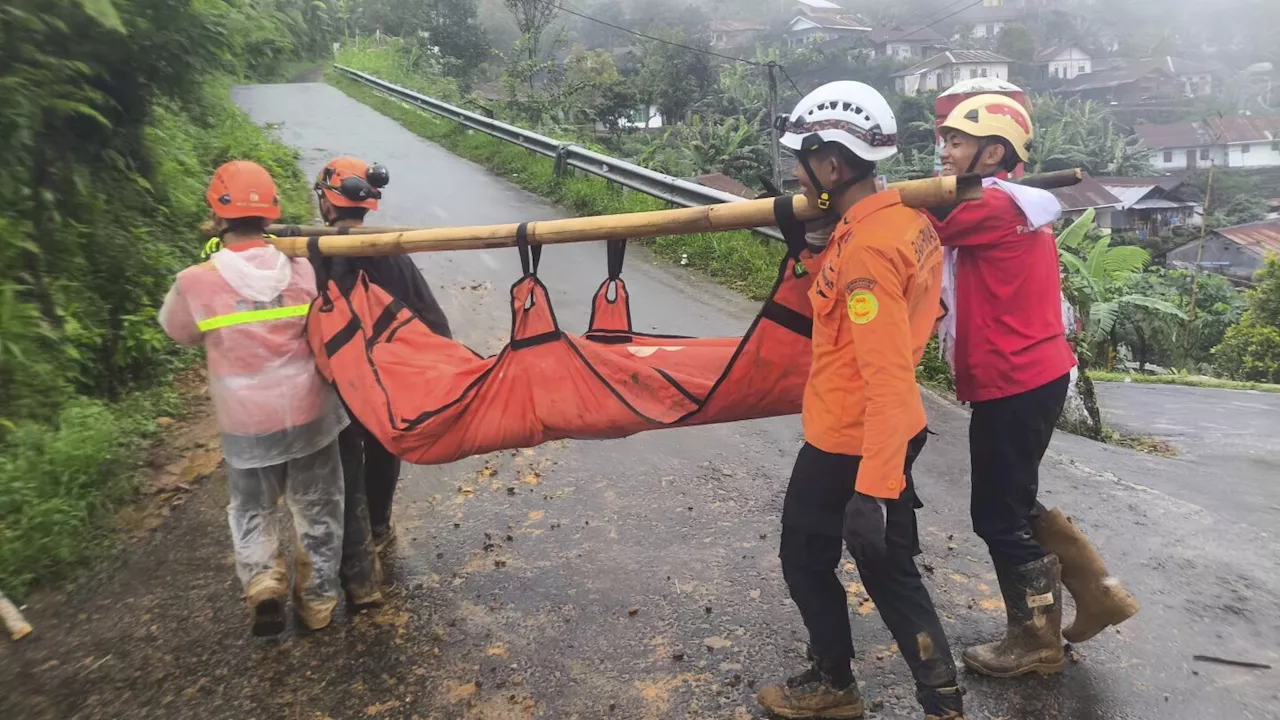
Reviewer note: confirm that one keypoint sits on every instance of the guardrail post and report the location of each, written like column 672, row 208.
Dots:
column 562, row 159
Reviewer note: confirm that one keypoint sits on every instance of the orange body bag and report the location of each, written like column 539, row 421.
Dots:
column 431, row 400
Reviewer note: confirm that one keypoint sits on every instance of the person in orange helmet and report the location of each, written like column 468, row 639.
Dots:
column 247, row 305
column 347, row 189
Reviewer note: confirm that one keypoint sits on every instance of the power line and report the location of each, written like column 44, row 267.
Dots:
column 787, row 75
column 944, row 17
column 629, row 31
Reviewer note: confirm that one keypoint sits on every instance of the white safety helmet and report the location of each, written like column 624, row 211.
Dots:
column 851, row 113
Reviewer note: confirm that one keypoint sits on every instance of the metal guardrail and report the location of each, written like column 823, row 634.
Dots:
column 565, row 154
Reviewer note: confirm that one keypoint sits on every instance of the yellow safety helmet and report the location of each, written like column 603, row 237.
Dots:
column 992, row 115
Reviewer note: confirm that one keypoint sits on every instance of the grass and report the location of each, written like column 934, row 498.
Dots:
column 60, row 483
column 1202, row 381
column 1148, row 444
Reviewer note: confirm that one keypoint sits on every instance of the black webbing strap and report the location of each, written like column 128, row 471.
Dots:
column 321, row 266
column 617, row 252
column 784, row 212
column 343, row 336
column 786, row 317
column 542, row 339
column 385, row 319
column 529, row 256
column 289, row 231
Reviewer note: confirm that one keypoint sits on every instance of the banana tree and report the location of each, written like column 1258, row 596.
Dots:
column 1096, row 282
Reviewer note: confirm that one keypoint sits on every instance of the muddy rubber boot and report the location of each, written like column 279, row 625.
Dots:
column 1101, row 601
column 265, row 597
column 813, row 694
column 942, row 703
column 1033, row 605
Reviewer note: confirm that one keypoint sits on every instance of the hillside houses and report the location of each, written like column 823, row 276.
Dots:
column 948, row 68
column 823, row 20
column 1141, row 81
column 1062, row 62
column 1232, row 141
column 730, row 34
column 906, row 43
column 1237, row 252
column 1148, row 207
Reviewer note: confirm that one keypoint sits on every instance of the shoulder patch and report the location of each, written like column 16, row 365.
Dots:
column 863, row 307
column 862, row 283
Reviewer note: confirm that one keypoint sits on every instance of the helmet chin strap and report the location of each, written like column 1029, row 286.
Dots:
column 983, row 144
column 825, row 194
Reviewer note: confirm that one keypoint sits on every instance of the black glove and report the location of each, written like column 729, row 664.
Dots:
column 864, row 527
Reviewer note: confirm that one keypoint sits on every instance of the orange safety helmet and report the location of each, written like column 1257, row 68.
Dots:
column 242, row 189
column 352, row 183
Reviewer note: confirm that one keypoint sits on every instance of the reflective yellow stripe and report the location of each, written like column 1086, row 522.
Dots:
column 252, row 316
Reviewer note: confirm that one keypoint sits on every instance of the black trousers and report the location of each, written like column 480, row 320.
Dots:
column 812, row 545
column 1007, row 440
column 370, row 473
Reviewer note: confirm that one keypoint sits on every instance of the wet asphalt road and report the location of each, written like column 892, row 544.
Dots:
column 1232, row 436
column 514, row 604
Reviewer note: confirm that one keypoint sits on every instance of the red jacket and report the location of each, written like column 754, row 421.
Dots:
column 1009, row 333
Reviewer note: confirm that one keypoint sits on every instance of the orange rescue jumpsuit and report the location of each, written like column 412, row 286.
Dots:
column 875, row 301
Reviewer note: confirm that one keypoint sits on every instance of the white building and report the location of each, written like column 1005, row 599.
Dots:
column 808, row 28
column 1063, row 62
column 1229, row 141
column 948, row 68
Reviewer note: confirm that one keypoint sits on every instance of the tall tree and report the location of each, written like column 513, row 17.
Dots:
column 533, row 18
column 677, row 76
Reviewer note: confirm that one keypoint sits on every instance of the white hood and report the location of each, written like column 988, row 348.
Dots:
column 259, row 274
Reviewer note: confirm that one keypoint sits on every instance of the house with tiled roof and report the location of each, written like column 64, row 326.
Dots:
column 1237, row 252
column 1227, row 141
column 950, row 67
column 895, row 41
column 825, row 26
column 1137, row 81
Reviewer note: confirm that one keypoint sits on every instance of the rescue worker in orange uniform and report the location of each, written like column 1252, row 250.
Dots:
column 1012, row 363
column 875, row 306
column 247, row 305
column 347, row 189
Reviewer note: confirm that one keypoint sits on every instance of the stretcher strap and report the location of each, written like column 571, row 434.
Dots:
column 321, row 265
column 792, row 228
column 529, row 256
column 617, row 252
column 780, row 314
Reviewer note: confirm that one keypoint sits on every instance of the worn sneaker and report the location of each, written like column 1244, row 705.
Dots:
column 265, row 597
column 812, row 694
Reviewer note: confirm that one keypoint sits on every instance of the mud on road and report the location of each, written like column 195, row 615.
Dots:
column 634, row 578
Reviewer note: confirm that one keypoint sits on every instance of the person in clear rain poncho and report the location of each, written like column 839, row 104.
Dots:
column 247, row 305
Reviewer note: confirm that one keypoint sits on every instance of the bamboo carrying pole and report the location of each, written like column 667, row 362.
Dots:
column 931, row 192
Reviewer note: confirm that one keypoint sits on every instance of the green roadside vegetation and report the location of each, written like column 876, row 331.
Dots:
column 1201, row 381
column 115, row 114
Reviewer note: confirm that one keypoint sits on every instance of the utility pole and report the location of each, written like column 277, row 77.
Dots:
column 775, row 145
column 1195, row 272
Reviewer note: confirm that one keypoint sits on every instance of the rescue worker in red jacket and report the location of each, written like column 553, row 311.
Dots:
column 247, row 305
column 875, row 306
column 1013, row 364
column 347, row 189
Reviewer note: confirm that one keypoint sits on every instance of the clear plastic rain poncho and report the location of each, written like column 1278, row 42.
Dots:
column 249, row 310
